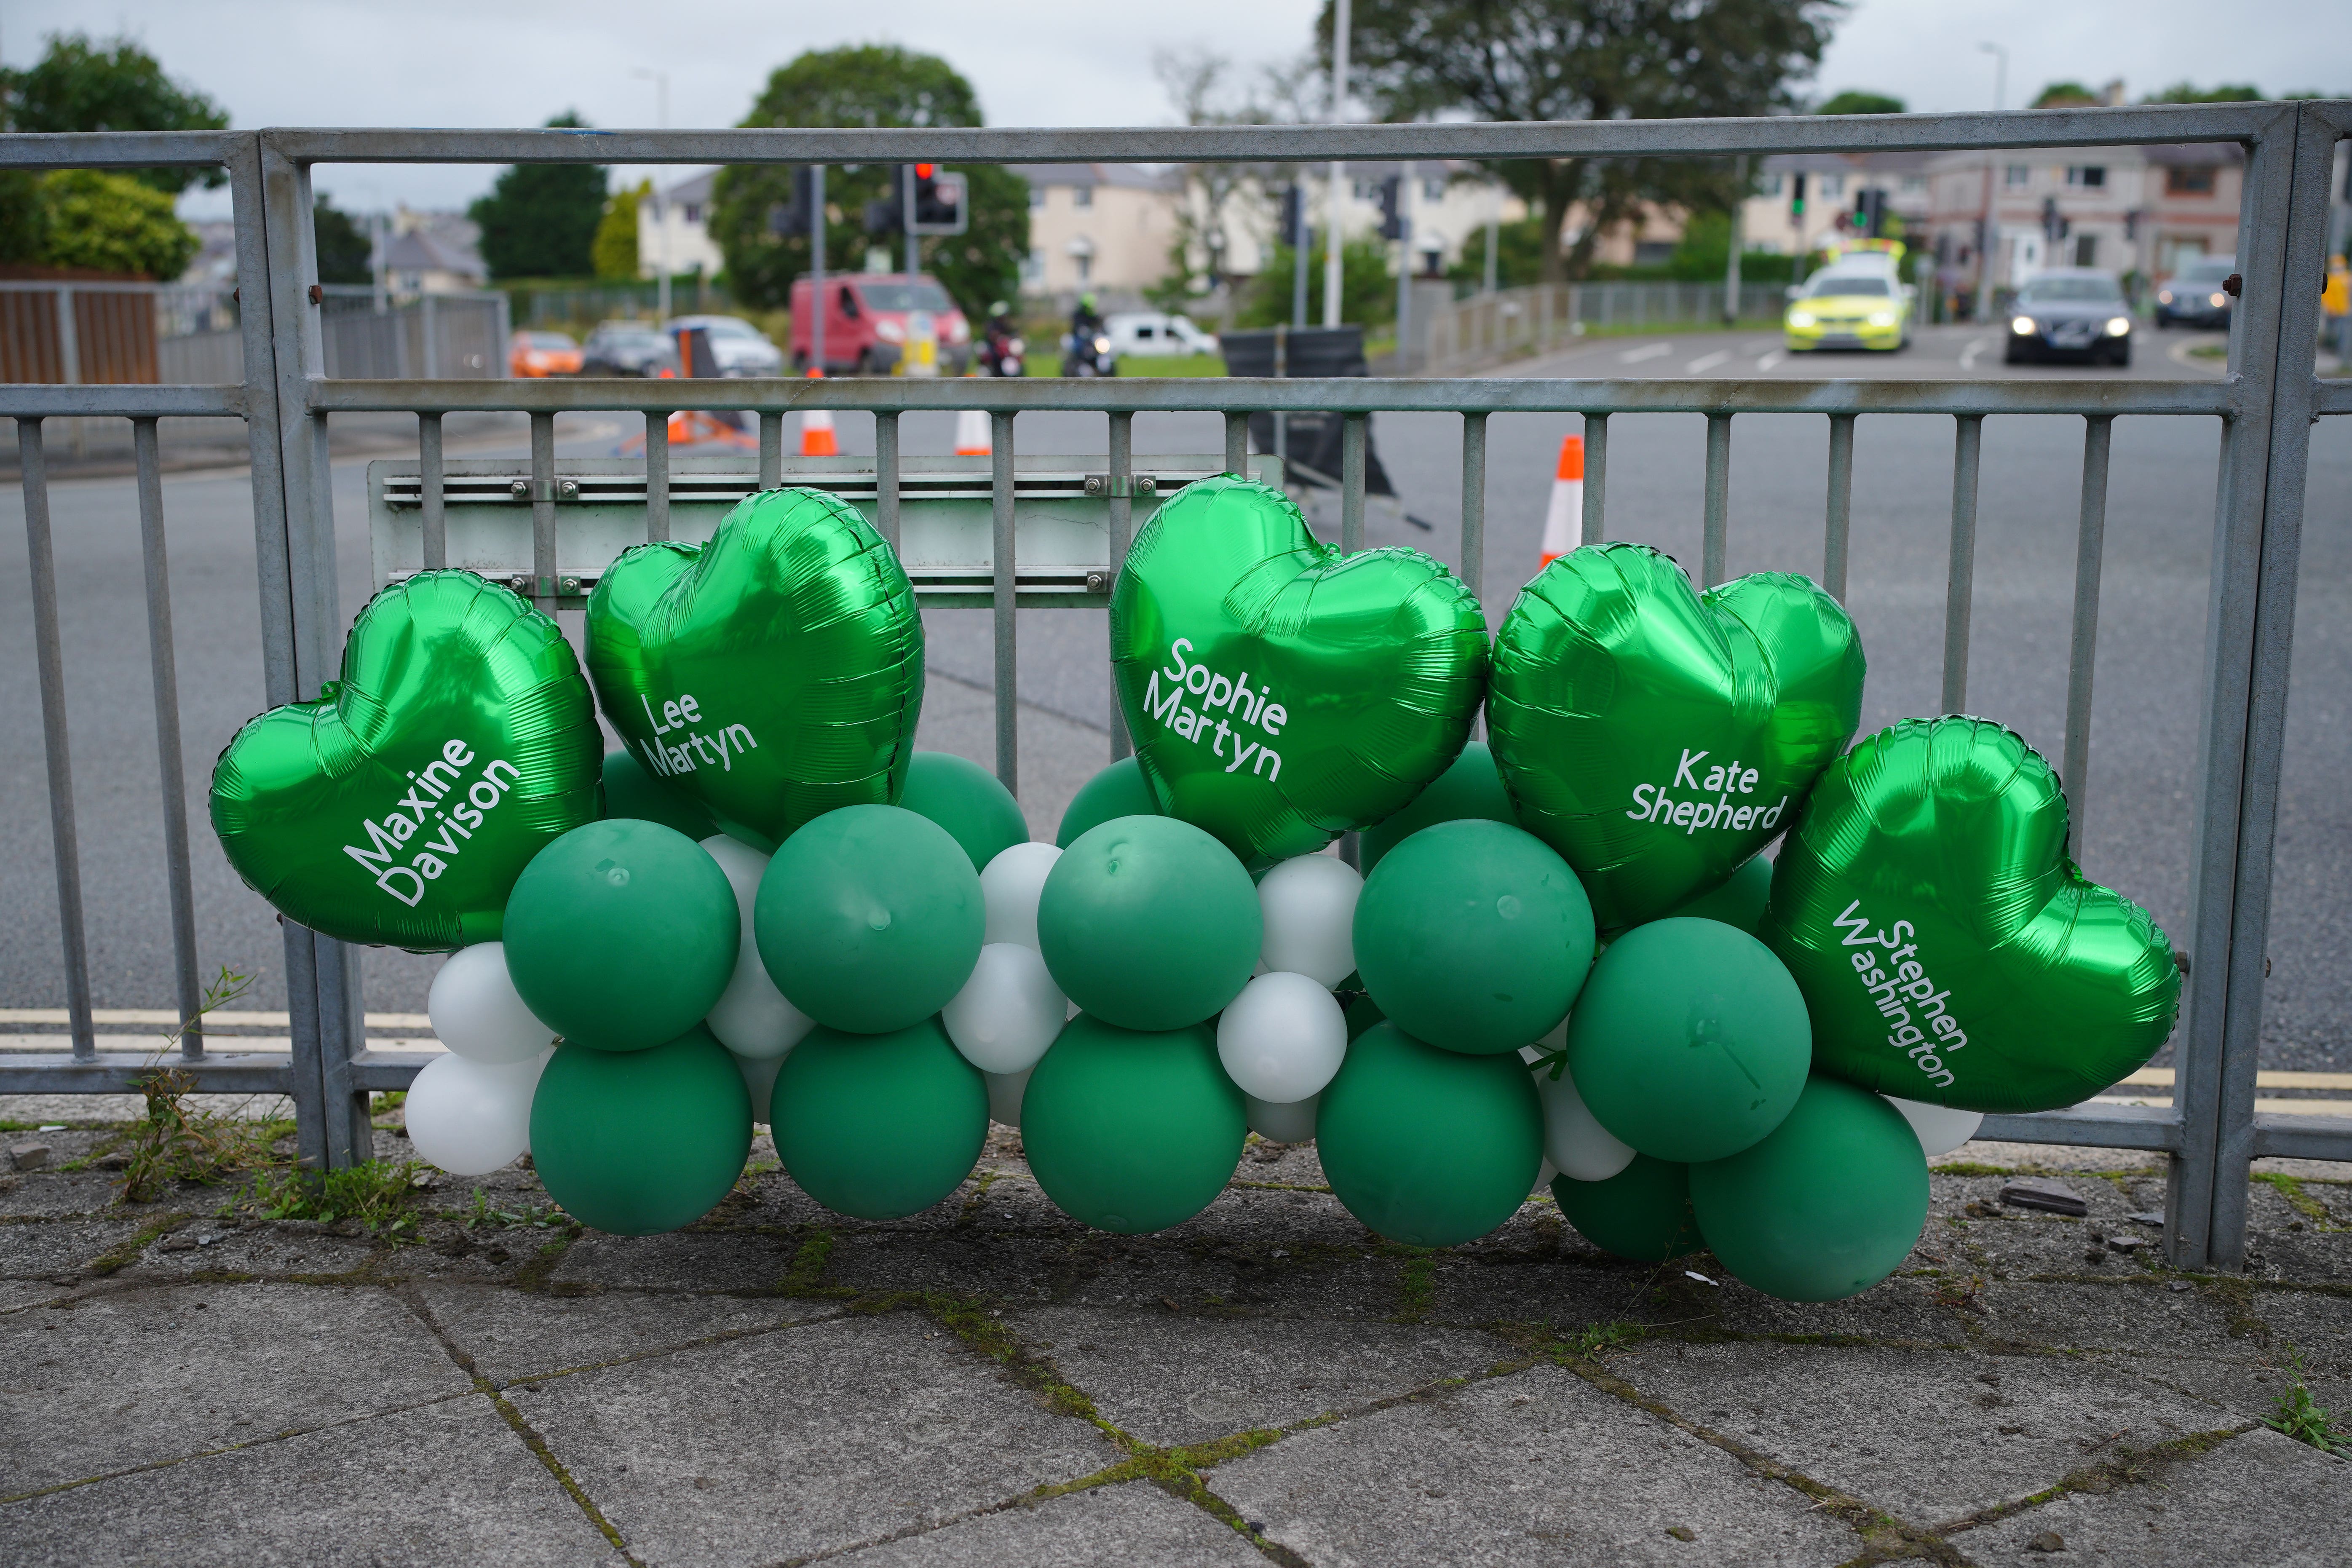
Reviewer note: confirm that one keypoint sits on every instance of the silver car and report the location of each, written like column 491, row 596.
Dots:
column 740, row 348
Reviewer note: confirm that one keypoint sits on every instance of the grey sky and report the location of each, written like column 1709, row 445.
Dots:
column 1040, row 62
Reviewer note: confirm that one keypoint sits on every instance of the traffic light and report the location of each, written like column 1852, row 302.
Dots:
column 888, row 213
column 1392, row 207
column 938, row 201
column 1294, row 212
column 2054, row 224
column 1869, row 212
column 796, row 216
column 1797, row 197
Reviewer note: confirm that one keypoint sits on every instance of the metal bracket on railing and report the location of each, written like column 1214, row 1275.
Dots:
column 1122, row 485
column 544, row 489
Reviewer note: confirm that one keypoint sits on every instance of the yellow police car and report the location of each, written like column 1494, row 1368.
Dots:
column 1839, row 308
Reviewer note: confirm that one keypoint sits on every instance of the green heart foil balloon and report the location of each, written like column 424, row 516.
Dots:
column 774, row 673
column 400, row 806
column 1947, row 950
column 1657, row 737
column 1279, row 692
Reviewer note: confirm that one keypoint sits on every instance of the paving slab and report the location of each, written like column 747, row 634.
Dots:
column 1135, row 1526
column 268, row 1251
column 681, row 1260
column 512, row 1334
column 2262, row 1501
column 2318, row 1323
column 1904, row 1309
column 16, row 1294
column 449, row 1483
column 1015, row 1268
column 136, row 1377
column 2248, row 1390
column 1567, row 1292
column 2129, row 1314
column 34, row 1248
column 781, row 1446
column 50, row 1193
column 1173, row 1379
column 1924, row 1435
column 1539, row 1467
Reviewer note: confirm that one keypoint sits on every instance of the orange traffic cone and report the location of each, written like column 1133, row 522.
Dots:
column 817, row 439
column 1564, row 519
column 972, row 433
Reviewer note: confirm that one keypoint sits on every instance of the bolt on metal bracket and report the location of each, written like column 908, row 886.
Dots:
column 1122, row 485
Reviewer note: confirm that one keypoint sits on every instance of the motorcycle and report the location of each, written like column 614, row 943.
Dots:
column 1088, row 356
column 1003, row 353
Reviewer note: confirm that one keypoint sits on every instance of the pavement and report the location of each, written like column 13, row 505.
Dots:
column 189, row 1383
column 2137, row 807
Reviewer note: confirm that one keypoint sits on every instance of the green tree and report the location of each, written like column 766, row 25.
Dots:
column 1367, row 288
column 114, row 223
column 614, row 250
column 867, row 84
column 1588, row 60
column 539, row 220
column 345, row 253
column 2189, row 92
column 1853, row 101
column 1519, row 256
column 23, row 217
column 80, row 85
column 2065, row 95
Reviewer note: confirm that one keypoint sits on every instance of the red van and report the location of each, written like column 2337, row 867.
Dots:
column 871, row 317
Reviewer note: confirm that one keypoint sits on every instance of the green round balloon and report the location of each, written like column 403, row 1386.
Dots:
column 1150, row 923
column 967, row 800
column 621, row 934
column 638, row 1143
column 1428, row 1147
column 1740, row 901
column 1690, row 1041
column 1471, row 787
column 879, row 1126
column 1826, row 1206
column 1118, row 790
column 1131, row 1130
column 630, row 792
column 1473, row 936
column 869, row 919
column 1642, row 1212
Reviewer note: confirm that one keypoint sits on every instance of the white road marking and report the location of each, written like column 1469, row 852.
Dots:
column 1706, row 362
column 1647, row 351
column 1968, row 354
column 1768, row 360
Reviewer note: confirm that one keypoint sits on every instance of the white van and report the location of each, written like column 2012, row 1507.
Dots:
column 1146, row 333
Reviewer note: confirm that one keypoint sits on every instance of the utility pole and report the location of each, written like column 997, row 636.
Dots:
column 1404, row 267
column 1738, row 230
column 661, row 203
column 1335, row 238
column 816, row 267
column 1989, row 242
column 906, row 205
column 1302, row 234
column 1493, row 241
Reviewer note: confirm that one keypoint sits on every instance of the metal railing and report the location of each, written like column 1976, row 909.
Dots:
column 2266, row 407
column 1488, row 329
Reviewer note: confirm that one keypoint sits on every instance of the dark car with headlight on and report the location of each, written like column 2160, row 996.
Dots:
column 2193, row 297
column 2072, row 313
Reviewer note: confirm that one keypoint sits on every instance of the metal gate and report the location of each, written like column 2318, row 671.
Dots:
column 2266, row 407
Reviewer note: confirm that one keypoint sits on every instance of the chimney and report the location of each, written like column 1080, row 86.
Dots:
column 2112, row 95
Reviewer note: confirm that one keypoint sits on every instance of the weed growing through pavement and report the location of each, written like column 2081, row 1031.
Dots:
column 2303, row 1418
column 482, row 1214
column 1590, row 1342
column 173, row 1142
column 381, row 1195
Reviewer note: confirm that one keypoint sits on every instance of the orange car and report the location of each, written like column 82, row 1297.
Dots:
column 542, row 353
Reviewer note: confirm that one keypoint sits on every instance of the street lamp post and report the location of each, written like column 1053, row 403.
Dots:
column 1335, row 239
column 1991, row 238
column 661, row 178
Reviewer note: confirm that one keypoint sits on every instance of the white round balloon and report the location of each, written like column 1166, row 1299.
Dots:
column 1310, row 904
column 759, row 1077
column 1005, row 1093
column 469, row 1117
column 744, row 866
column 1544, row 1173
column 477, row 1012
column 1283, row 1038
column 1008, row 1012
column 752, row 1017
column 1010, row 886
column 1290, row 1123
column 1575, row 1142
column 1941, row 1129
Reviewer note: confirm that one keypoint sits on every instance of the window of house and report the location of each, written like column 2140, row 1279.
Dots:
column 1036, row 198
column 1368, row 190
column 693, row 213
column 2087, row 176
column 2016, row 176
column 1432, row 190
column 1086, row 263
column 1770, row 185
column 1915, row 183
column 2189, row 180
column 1082, row 197
column 2086, row 250
column 1032, row 270
column 1832, row 187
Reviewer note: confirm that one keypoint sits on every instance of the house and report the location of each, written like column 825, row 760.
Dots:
column 1104, row 229
column 674, row 230
column 432, row 253
column 1839, row 187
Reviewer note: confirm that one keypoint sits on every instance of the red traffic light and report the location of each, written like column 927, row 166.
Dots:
column 925, row 171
